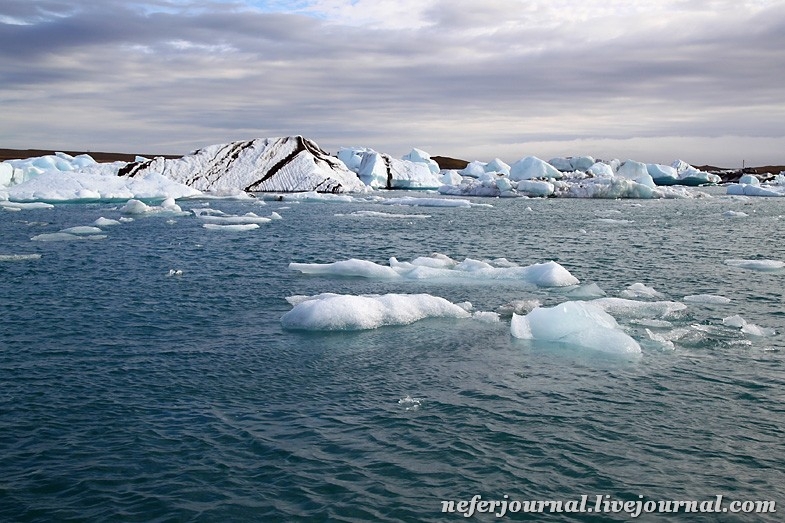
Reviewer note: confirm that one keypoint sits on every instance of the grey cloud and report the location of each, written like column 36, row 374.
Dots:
column 284, row 74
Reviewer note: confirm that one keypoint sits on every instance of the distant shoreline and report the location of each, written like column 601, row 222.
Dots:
column 100, row 157
column 728, row 174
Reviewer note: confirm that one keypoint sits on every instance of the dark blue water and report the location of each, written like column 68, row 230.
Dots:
column 128, row 394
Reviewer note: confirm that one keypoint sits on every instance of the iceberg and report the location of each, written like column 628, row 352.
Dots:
column 378, row 170
column 287, row 164
column 89, row 181
column 576, row 323
column 532, row 167
column 441, row 267
column 340, row 312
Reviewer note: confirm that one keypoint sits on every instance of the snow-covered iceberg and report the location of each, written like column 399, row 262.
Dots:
column 343, row 312
column 288, row 164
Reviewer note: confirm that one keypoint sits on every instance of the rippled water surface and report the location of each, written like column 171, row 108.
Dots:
column 130, row 394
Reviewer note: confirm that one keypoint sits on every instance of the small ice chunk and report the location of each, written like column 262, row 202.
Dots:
column 757, row 265
column 734, row 214
column 613, row 221
column 520, row 307
column 175, row 272
column 466, row 305
column 85, row 229
column 105, row 222
column 65, row 236
column 231, row 227
column 409, row 403
column 248, row 218
column 135, row 207
column 640, row 290
column 586, row 292
column 661, row 340
column 275, row 216
column 755, row 330
column 576, row 323
column 748, row 328
column 19, row 257
column 634, row 309
column 707, row 298
column 351, row 267
column 426, row 202
column 734, row 321
column 488, row 317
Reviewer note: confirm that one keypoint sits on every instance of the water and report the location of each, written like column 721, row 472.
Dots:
column 129, row 394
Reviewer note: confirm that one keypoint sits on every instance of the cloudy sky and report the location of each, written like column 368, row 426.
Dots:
column 652, row 80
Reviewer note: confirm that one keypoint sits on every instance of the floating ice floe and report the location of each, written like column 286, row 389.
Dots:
column 231, row 227
column 441, row 267
column 223, row 219
column 20, row 206
column 585, row 292
column 734, row 214
column 710, row 299
column 633, row 309
column 413, row 201
column 309, row 196
column 757, row 265
column 105, row 222
column 19, row 257
column 66, row 236
column 748, row 328
column 340, row 312
column 749, row 185
column 377, row 214
column 138, row 207
column 640, row 290
column 576, row 323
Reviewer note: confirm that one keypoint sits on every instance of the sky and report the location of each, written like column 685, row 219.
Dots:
column 650, row 80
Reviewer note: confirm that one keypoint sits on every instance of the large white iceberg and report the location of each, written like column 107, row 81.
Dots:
column 347, row 312
column 288, row 164
column 576, row 323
